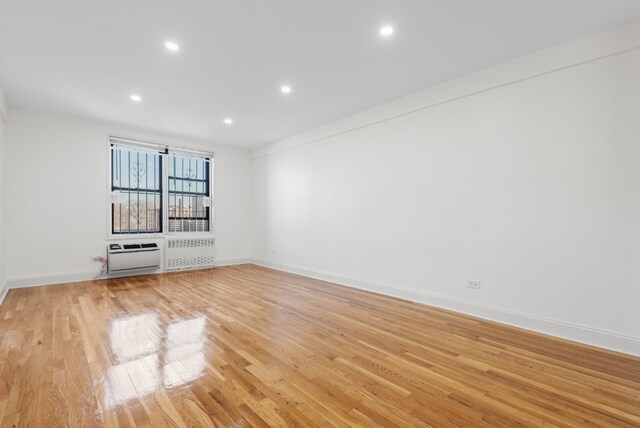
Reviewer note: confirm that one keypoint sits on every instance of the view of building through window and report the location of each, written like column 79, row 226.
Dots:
column 188, row 188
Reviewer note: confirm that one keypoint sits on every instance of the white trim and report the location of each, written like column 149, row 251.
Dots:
column 3, row 293
column 586, row 335
column 60, row 278
column 64, row 278
column 136, row 237
column 232, row 262
column 583, row 50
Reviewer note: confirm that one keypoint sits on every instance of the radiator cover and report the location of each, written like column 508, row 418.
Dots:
column 189, row 253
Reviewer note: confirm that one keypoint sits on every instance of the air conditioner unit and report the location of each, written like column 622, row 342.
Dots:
column 129, row 257
column 189, row 253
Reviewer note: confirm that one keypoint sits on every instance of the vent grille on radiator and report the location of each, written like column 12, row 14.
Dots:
column 189, row 243
column 189, row 262
column 189, row 253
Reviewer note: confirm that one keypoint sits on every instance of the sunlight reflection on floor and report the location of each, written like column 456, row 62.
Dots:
column 150, row 359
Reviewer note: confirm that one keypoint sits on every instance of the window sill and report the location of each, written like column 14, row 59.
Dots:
column 137, row 237
column 160, row 236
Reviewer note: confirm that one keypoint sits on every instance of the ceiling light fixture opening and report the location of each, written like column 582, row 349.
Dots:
column 386, row 31
column 172, row 46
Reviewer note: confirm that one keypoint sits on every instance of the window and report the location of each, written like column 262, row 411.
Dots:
column 188, row 191
column 146, row 178
column 136, row 175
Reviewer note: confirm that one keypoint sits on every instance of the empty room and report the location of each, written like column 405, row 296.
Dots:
column 331, row 213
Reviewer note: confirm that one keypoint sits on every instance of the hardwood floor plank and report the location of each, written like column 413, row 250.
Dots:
column 250, row 346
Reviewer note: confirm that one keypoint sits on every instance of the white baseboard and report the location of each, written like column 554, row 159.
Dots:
column 63, row 278
column 586, row 335
column 232, row 262
column 3, row 292
column 578, row 333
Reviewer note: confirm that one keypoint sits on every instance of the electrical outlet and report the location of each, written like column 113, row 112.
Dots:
column 473, row 284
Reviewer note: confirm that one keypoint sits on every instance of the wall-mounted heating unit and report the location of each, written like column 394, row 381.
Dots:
column 129, row 257
column 189, row 253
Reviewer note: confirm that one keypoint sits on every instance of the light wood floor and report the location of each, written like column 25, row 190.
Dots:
column 249, row 346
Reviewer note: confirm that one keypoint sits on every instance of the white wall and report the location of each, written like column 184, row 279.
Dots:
column 56, row 196
column 525, row 176
column 3, row 126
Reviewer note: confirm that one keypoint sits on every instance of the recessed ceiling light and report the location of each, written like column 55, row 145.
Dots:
column 228, row 121
column 172, row 46
column 386, row 31
column 135, row 97
column 286, row 89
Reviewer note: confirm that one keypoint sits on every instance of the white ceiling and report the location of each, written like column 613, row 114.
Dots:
column 85, row 58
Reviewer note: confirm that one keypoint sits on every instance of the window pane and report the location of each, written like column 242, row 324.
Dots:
column 137, row 213
column 188, row 185
column 136, row 175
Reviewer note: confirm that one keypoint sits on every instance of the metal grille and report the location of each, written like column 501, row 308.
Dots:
column 137, row 175
column 188, row 193
column 190, row 243
column 189, row 253
column 190, row 262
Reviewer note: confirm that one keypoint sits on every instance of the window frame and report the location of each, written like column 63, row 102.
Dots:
column 164, row 150
column 209, row 193
column 159, row 192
